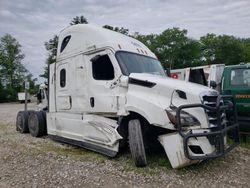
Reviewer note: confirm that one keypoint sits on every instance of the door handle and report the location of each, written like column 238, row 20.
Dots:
column 70, row 101
column 92, row 102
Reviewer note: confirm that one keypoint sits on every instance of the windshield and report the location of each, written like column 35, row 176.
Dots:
column 135, row 63
column 240, row 77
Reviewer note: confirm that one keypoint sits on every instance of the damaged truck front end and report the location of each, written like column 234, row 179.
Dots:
column 191, row 145
column 199, row 123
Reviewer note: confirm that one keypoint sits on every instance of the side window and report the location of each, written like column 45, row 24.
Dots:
column 63, row 78
column 102, row 68
column 64, row 43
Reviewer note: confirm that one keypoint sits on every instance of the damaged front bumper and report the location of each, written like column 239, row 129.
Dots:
column 191, row 146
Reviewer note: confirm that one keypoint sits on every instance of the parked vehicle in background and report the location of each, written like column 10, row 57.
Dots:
column 228, row 80
column 201, row 75
column 236, row 82
column 107, row 91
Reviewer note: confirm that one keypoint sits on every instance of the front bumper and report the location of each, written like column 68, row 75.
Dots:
column 215, row 136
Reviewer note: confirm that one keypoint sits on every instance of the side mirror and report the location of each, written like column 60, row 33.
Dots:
column 213, row 84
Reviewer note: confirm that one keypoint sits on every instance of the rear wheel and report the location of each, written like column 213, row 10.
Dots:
column 37, row 124
column 22, row 121
column 136, row 143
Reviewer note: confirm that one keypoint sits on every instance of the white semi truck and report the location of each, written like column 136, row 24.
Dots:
column 107, row 90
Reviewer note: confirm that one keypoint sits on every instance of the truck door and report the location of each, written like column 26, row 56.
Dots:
column 63, row 97
column 103, row 73
column 239, row 86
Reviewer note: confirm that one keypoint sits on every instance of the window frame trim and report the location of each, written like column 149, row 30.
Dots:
column 62, row 49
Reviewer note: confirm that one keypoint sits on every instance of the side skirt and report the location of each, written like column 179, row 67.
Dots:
column 85, row 145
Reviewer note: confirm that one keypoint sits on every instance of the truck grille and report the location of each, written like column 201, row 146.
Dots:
column 210, row 100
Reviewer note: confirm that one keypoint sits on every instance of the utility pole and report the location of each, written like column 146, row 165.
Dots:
column 26, row 88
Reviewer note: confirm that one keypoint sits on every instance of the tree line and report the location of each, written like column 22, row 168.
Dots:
column 13, row 73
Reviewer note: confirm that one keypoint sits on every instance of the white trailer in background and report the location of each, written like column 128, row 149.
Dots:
column 107, row 90
column 208, row 75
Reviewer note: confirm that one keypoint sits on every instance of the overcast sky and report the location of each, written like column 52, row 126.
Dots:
column 32, row 22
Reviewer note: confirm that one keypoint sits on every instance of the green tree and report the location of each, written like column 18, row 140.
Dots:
column 33, row 86
column 246, row 52
column 79, row 20
column 117, row 29
column 224, row 49
column 173, row 48
column 12, row 70
column 151, row 40
column 51, row 47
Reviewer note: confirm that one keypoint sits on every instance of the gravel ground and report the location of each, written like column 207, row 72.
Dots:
column 40, row 162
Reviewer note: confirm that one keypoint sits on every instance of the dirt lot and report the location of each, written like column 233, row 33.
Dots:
column 40, row 162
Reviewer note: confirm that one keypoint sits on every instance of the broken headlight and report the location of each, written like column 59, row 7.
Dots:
column 187, row 119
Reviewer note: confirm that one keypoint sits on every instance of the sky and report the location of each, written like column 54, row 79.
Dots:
column 32, row 22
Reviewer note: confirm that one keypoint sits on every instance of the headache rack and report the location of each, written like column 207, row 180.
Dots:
column 216, row 108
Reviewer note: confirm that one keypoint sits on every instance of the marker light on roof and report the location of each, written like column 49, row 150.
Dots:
column 142, row 51
column 119, row 46
column 146, row 52
column 138, row 50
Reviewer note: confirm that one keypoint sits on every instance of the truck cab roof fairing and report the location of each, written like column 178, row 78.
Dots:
column 85, row 36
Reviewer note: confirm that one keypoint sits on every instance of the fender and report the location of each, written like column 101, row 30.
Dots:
column 153, row 113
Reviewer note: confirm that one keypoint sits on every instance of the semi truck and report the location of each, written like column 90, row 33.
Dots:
column 107, row 91
column 235, row 81
column 228, row 80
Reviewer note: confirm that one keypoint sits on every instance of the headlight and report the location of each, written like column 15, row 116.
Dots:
column 186, row 118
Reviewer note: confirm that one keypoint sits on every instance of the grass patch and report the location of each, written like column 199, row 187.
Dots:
column 245, row 141
column 72, row 151
column 3, row 127
column 157, row 162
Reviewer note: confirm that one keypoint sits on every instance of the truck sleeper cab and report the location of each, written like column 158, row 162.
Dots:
column 107, row 91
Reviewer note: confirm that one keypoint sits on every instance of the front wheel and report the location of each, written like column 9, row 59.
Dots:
column 136, row 143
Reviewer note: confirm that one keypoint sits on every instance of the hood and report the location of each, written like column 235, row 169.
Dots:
column 174, row 84
column 160, row 91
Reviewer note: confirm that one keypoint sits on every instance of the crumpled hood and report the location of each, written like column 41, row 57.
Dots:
column 174, row 84
column 160, row 94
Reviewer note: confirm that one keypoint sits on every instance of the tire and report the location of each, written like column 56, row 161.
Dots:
column 37, row 124
column 123, row 131
column 136, row 143
column 44, row 114
column 22, row 121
